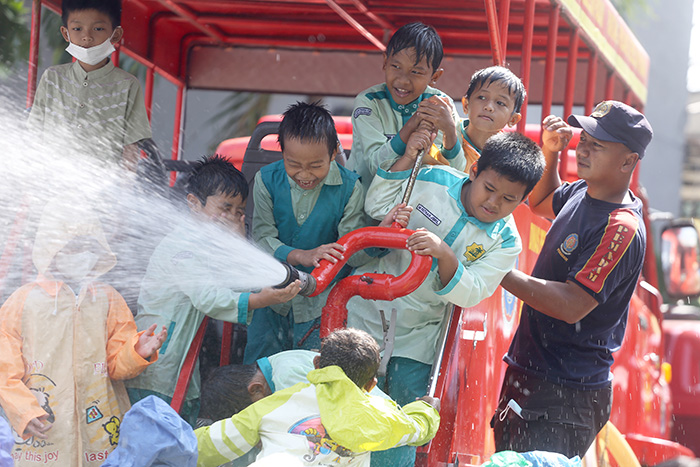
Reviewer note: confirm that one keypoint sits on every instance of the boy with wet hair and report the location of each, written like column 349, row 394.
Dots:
column 66, row 342
column 464, row 222
column 91, row 102
column 303, row 205
column 182, row 282
column 493, row 101
column 320, row 421
column 231, row 388
column 386, row 116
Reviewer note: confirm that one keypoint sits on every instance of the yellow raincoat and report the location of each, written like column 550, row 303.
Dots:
column 328, row 421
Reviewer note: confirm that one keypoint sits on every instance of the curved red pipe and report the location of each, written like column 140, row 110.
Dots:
column 371, row 286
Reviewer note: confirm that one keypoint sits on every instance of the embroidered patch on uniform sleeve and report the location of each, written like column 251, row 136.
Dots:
column 361, row 111
column 568, row 246
column 426, row 212
column 621, row 229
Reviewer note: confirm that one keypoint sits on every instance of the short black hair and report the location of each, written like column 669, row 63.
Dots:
column 308, row 122
column 492, row 74
column 111, row 8
column 421, row 37
column 225, row 391
column 354, row 351
column 216, row 175
column 515, row 156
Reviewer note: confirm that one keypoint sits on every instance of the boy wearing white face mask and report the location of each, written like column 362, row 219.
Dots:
column 97, row 106
column 66, row 342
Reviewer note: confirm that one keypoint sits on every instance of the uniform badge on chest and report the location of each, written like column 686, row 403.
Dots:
column 474, row 252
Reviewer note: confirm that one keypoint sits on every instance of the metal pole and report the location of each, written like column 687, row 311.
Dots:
column 591, row 82
column 412, row 178
column 528, row 32
column 33, row 51
column 442, row 341
column 609, row 85
column 504, row 8
column 569, row 92
column 492, row 23
column 148, row 93
column 550, row 63
column 177, row 127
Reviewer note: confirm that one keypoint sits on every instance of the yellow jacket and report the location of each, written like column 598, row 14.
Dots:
column 328, row 421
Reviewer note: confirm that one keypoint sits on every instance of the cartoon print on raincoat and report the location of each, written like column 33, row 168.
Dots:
column 42, row 389
column 319, row 441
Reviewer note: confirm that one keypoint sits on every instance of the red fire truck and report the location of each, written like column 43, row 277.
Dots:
column 567, row 52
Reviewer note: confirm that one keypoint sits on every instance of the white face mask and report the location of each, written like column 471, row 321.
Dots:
column 92, row 55
column 75, row 267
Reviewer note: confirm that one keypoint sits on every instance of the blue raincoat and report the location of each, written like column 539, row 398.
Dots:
column 153, row 434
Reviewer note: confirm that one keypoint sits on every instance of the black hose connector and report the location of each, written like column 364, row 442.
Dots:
column 308, row 282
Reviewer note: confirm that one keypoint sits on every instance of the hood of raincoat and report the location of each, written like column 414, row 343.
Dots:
column 61, row 222
column 153, row 434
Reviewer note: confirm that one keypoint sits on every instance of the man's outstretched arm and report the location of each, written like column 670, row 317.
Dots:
column 566, row 301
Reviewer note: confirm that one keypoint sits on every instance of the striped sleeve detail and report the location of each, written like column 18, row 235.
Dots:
column 231, row 438
column 510, row 235
column 440, row 175
column 617, row 237
column 381, row 95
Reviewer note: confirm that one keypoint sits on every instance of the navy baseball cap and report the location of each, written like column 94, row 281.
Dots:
column 618, row 123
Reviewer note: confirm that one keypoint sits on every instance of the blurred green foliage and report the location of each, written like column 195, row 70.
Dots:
column 14, row 34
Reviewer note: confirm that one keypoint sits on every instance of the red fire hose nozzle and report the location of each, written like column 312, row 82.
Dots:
column 371, row 286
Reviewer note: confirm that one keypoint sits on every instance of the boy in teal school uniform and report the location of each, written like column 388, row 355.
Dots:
column 387, row 114
column 464, row 222
column 303, row 205
column 182, row 283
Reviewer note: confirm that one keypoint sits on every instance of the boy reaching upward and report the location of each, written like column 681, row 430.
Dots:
column 386, row 115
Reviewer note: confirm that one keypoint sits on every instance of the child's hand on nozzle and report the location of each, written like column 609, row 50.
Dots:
column 149, row 342
column 37, row 427
column 556, row 134
column 423, row 242
column 272, row 296
column 400, row 213
column 312, row 258
column 434, row 402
